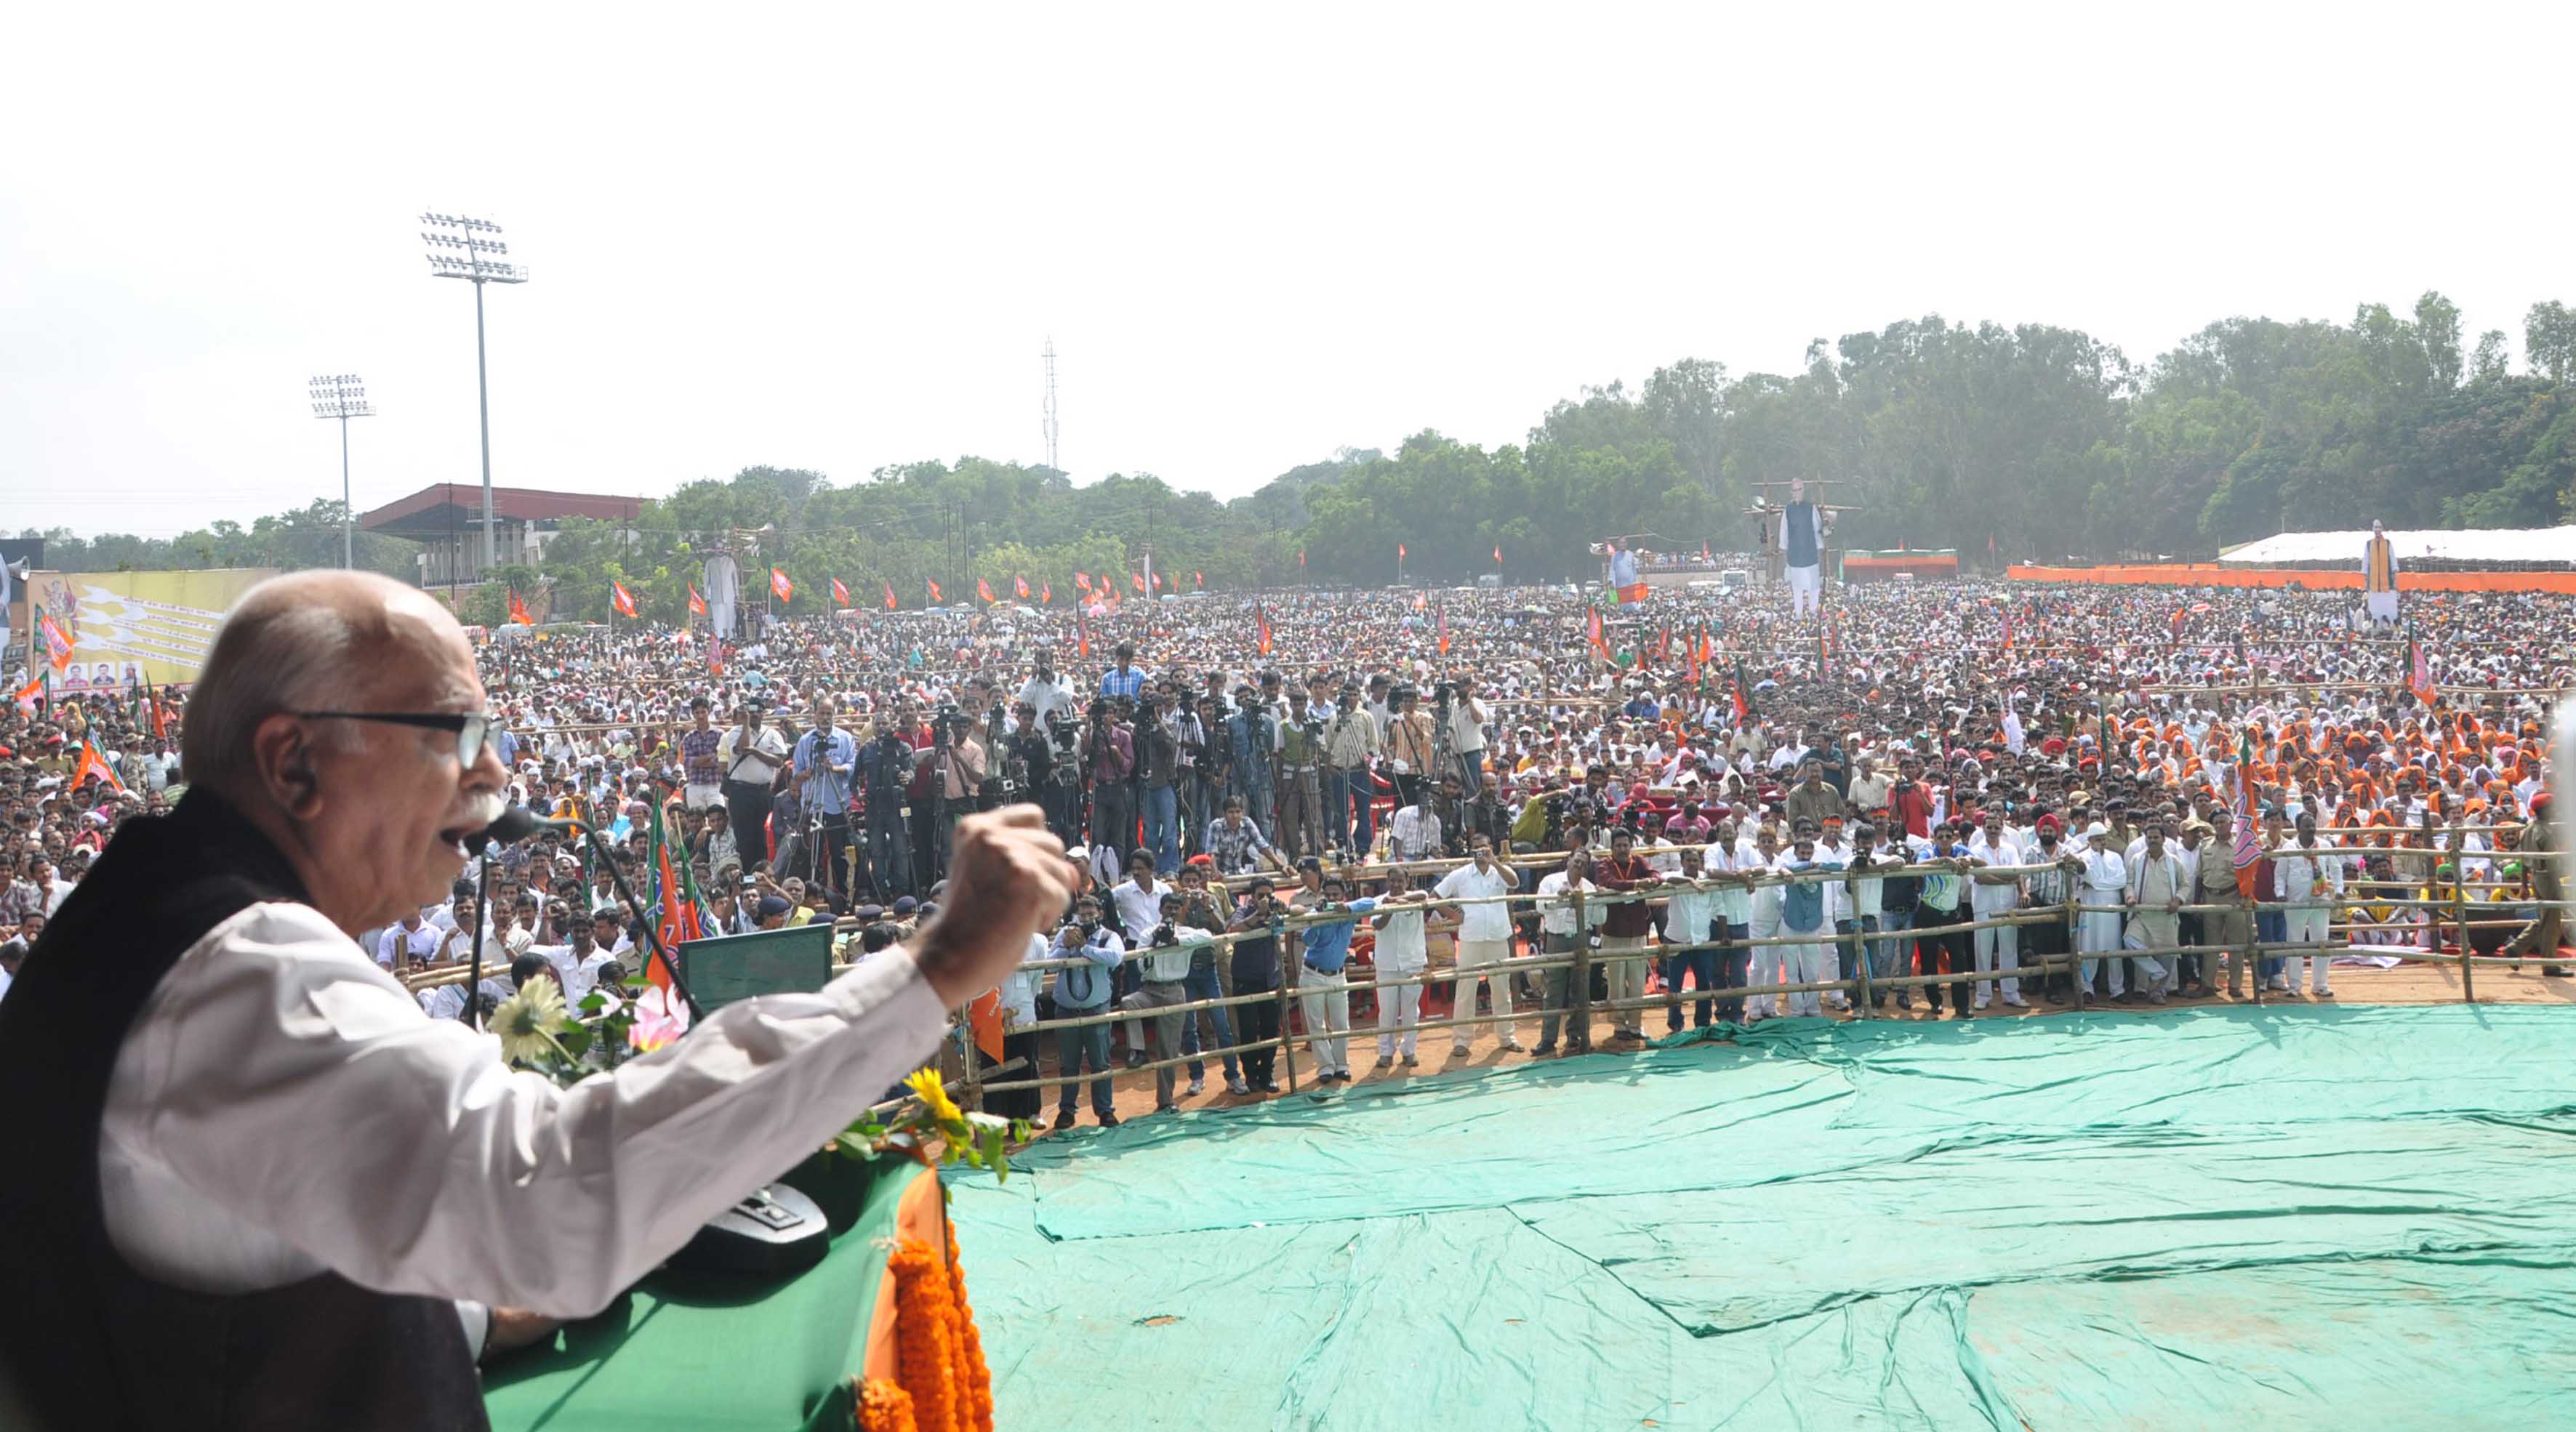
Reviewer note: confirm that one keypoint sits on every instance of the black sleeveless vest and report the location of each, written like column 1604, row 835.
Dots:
column 87, row 1342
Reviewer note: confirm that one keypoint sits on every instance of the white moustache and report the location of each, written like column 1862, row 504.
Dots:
column 485, row 808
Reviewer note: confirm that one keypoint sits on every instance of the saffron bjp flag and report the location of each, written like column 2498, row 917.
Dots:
column 840, row 593
column 93, row 764
column 697, row 604
column 1443, row 618
column 782, row 588
column 1081, row 632
column 58, row 647
column 621, row 598
column 984, row 589
column 1046, row 591
column 1592, row 633
column 1261, row 630
column 2241, row 803
column 27, row 694
column 1082, row 581
column 1400, row 553
column 519, row 609
column 934, row 589
column 984, row 1018
column 1498, row 556
column 2419, row 672
column 1020, row 585
column 889, row 586
column 1199, row 579
column 675, row 918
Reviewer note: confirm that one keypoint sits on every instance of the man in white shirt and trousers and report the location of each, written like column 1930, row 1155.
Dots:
column 2308, row 881
column 262, row 1171
column 1484, row 941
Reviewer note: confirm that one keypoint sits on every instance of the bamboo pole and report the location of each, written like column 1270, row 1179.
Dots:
column 2460, row 915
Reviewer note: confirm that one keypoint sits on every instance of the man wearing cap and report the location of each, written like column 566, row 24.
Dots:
column 2215, row 880
column 2105, row 882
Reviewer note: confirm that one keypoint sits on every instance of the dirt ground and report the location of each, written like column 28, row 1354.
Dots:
column 2412, row 983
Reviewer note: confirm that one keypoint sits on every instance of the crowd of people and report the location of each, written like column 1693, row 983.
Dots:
column 1220, row 764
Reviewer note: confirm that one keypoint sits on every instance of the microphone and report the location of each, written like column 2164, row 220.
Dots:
column 518, row 823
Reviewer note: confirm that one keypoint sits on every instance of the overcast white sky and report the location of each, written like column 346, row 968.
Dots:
column 1256, row 234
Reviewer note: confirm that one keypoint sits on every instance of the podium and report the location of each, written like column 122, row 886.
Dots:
column 699, row 1354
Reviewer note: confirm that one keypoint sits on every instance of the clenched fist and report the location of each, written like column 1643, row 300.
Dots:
column 1007, row 880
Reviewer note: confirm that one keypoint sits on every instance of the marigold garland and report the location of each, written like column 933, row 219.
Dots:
column 885, row 1407
column 979, row 1376
column 923, row 1338
column 939, row 1354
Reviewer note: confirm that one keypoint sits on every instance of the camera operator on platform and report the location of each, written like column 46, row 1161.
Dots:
column 261, row 1188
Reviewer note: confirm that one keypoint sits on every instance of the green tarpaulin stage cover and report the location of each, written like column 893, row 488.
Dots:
column 2341, row 1219
column 713, row 1354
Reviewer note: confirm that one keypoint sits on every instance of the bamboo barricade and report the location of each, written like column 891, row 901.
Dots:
column 1579, row 1007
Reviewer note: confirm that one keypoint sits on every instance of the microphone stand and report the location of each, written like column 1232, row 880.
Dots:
column 482, row 922
column 652, row 937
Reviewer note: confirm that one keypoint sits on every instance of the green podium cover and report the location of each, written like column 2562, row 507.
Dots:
column 699, row 1354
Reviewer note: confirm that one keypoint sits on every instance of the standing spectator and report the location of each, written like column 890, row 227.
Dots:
column 1689, row 919
column 1123, row 679
column 752, row 756
column 1409, row 746
column 1484, row 941
column 1624, row 928
column 1256, row 971
column 1403, row 953
column 1991, row 895
column 1326, row 949
column 1082, row 991
column 699, row 762
column 1351, row 746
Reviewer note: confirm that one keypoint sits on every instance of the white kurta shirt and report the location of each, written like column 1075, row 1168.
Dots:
column 281, row 1106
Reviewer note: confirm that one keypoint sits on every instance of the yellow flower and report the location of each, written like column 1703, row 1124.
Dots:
column 527, row 1021
column 925, row 1086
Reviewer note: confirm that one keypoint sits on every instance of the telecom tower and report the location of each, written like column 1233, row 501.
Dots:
column 1050, row 405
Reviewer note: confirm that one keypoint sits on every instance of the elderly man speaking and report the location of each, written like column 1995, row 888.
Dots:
column 252, row 1185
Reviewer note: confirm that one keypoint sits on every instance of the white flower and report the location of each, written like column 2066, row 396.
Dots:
column 527, row 1021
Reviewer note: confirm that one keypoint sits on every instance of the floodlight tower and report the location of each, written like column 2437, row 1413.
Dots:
column 342, row 396
column 469, row 249
column 1050, row 405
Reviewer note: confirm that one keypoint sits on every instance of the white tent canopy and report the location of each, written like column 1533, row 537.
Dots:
column 2500, row 545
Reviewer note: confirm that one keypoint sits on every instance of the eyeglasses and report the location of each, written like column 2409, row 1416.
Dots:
column 469, row 729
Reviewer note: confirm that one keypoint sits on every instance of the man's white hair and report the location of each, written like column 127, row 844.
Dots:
column 274, row 653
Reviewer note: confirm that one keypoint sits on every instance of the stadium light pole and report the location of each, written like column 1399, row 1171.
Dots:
column 469, row 249
column 342, row 396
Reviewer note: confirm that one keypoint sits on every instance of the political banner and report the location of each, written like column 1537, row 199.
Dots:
column 127, row 628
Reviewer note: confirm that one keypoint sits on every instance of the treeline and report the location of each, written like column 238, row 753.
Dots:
column 2049, row 442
